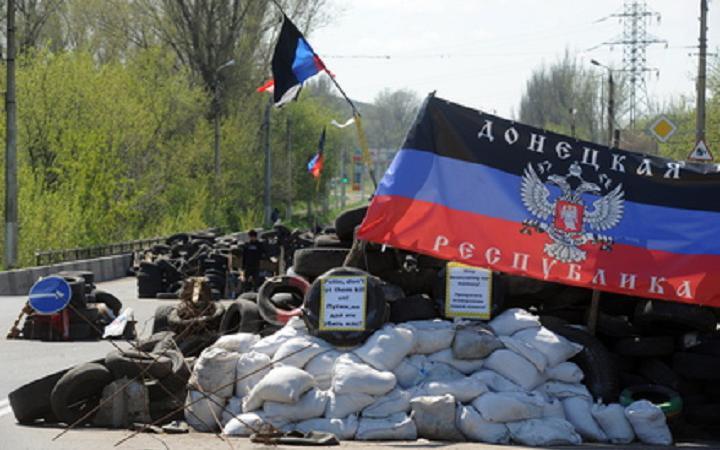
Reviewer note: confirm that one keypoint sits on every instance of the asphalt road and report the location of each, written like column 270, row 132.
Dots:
column 24, row 361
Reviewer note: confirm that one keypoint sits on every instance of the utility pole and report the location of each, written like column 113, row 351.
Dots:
column 702, row 69
column 288, row 154
column 343, row 179
column 611, row 100
column 11, row 183
column 216, row 117
column 268, row 166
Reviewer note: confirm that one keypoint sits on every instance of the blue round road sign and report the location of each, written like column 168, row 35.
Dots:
column 50, row 295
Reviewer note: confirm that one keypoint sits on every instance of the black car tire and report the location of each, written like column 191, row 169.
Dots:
column 313, row 262
column 78, row 391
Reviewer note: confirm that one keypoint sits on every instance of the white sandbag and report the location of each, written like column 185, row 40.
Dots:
column 214, row 371
column 495, row 381
column 567, row 372
column 513, row 320
column 398, row 400
column 613, row 422
column 464, row 389
column 203, row 412
column 434, row 417
column 398, row 427
column 343, row 429
column 311, row 404
column 544, row 432
column 525, row 350
column 283, row 384
column 439, row 371
column 553, row 408
column 238, row 342
column 386, row 347
column 233, row 408
column 515, row 368
column 556, row 348
column 466, row 366
column 577, row 412
column 321, row 367
column 350, row 376
column 270, row 344
column 342, row 405
column 251, row 368
column 648, row 422
column 407, row 372
column 430, row 336
column 249, row 423
column 475, row 341
column 501, row 407
column 299, row 350
column 558, row 389
column 477, row 429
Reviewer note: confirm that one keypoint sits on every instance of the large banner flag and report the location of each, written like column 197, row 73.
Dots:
column 476, row 188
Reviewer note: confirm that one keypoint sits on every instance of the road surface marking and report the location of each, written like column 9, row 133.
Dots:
column 5, row 407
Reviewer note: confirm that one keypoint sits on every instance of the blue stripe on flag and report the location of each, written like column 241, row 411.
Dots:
column 304, row 63
column 483, row 190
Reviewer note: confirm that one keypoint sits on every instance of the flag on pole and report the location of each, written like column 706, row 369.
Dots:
column 316, row 163
column 294, row 61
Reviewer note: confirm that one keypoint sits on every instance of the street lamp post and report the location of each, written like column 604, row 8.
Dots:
column 611, row 100
column 216, row 114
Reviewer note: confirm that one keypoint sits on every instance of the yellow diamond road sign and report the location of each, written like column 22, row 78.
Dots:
column 662, row 129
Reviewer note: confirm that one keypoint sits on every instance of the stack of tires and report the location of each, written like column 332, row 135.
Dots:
column 164, row 267
column 72, row 396
column 330, row 249
column 90, row 310
column 659, row 350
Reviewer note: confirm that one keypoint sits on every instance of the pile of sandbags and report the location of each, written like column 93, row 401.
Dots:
column 508, row 380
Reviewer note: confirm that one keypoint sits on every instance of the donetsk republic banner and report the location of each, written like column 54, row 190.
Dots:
column 486, row 191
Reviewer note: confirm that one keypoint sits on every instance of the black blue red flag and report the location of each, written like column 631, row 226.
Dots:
column 475, row 188
column 317, row 162
column 293, row 62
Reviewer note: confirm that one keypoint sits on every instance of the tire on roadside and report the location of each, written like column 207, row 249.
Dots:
column 346, row 222
column 31, row 401
column 313, row 262
column 269, row 311
column 134, row 363
column 108, row 299
column 241, row 316
column 376, row 309
column 596, row 362
column 78, row 391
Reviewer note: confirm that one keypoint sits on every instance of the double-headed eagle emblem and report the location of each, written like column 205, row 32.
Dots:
column 567, row 213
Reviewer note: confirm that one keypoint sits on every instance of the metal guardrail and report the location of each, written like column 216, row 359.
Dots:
column 73, row 254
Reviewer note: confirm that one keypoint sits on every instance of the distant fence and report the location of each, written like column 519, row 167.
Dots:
column 74, row 254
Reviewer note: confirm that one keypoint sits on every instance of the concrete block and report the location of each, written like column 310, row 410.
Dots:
column 106, row 268
column 20, row 281
column 5, row 283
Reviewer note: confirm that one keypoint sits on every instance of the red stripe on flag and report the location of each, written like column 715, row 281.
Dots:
column 268, row 86
column 485, row 241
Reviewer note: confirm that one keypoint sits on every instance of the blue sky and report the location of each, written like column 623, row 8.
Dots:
column 481, row 52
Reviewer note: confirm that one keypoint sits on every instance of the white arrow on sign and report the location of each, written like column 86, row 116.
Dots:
column 700, row 152
column 56, row 294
